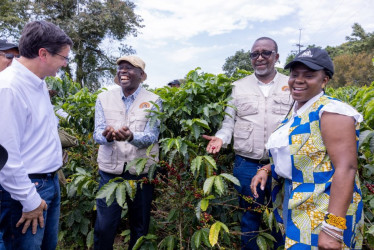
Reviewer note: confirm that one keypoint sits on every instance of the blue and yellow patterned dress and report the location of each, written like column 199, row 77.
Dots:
column 312, row 173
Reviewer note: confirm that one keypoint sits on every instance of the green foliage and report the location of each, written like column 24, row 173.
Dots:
column 353, row 59
column 13, row 16
column 360, row 98
column 360, row 40
column 78, row 195
column 290, row 57
column 353, row 69
column 147, row 242
column 241, row 60
column 195, row 186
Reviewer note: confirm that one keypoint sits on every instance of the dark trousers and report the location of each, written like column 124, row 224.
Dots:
column 245, row 170
column 108, row 218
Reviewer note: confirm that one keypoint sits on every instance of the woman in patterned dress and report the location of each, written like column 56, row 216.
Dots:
column 316, row 191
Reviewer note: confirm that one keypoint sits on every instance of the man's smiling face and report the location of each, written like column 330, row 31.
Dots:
column 129, row 77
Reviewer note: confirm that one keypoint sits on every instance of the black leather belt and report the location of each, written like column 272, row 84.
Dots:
column 256, row 161
column 43, row 176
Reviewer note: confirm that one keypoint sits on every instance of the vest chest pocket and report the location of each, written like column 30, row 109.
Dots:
column 281, row 104
column 243, row 136
column 140, row 123
column 247, row 108
column 114, row 118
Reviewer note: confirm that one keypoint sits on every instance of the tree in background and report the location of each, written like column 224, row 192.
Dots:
column 353, row 59
column 240, row 60
column 353, row 69
column 13, row 16
column 360, row 40
column 89, row 23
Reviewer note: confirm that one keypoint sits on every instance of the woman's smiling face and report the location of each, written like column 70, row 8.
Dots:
column 305, row 83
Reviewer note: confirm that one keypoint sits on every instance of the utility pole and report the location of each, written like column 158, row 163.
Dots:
column 298, row 44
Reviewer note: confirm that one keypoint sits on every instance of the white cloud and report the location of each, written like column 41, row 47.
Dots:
column 284, row 32
column 188, row 53
column 182, row 34
column 178, row 20
column 327, row 20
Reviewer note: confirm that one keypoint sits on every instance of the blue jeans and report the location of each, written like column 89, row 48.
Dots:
column 11, row 211
column 2, row 245
column 244, row 171
column 108, row 218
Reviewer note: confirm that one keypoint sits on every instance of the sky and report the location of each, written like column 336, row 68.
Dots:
column 181, row 35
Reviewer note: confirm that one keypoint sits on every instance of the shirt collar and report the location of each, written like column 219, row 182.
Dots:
column 133, row 95
column 306, row 105
column 34, row 79
column 270, row 83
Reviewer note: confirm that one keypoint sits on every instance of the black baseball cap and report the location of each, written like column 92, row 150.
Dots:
column 315, row 59
column 174, row 82
column 3, row 156
column 4, row 45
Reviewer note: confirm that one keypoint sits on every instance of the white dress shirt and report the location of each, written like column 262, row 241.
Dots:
column 28, row 131
column 278, row 142
column 266, row 87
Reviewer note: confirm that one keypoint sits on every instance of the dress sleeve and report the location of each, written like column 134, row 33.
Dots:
column 342, row 109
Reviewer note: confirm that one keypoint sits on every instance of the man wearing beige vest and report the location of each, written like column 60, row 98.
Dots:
column 124, row 132
column 261, row 100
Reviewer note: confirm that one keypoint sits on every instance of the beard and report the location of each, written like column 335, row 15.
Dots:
column 262, row 72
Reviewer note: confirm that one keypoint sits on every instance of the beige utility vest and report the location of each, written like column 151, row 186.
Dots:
column 111, row 157
column 258, row 116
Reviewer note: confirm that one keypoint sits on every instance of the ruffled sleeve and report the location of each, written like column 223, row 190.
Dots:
column 343, row 109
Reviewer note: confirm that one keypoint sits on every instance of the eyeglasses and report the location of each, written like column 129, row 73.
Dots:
column 9, row 55
column 265, row 54
column 66, row 58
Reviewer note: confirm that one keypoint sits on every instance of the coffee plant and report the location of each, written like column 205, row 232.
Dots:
column 195, row 205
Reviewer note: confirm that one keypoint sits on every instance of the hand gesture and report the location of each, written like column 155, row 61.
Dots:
column 123, row 134
column 33, row 217
column 214, row 145
column 260, row 178
column 108, row 133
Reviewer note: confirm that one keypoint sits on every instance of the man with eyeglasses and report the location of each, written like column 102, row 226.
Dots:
column 30, row 191
column 7, row 52
column 124, row 131
column 261, row 100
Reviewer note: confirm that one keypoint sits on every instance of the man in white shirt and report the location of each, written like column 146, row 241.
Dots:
column 261, row 100
column 30, row 192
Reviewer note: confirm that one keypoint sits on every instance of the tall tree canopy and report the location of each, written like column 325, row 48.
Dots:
column 353, row 69
column 240, row 60
column 87, row 22
column 353, row 59
column 360, row 41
